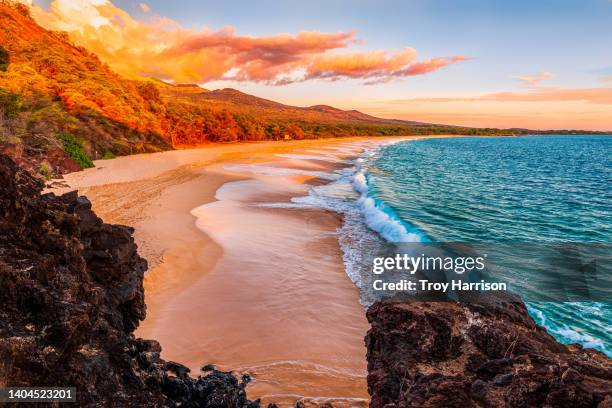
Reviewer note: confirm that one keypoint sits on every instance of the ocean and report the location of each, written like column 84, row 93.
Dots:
column 530, row 189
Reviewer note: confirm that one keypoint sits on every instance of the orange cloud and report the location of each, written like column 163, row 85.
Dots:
column 162, row 48
column 534, row 80
column 421, row 68
column 246, row 58
column 144, row 7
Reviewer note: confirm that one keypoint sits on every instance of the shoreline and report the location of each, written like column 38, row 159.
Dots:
column 122, row 189
column 155, row 194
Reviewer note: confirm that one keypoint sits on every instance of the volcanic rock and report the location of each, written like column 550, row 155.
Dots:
column 443, row 354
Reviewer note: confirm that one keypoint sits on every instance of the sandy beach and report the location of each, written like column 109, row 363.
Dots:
column 235, row 283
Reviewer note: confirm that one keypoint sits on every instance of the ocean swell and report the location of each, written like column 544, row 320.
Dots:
column 377, row 215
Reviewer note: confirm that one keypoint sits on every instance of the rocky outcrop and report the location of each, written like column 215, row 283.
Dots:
column 444, row 354
column 54, row 161
column 71, row 295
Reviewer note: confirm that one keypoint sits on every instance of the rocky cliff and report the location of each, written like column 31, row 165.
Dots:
column 477, row 355
column 71, row 295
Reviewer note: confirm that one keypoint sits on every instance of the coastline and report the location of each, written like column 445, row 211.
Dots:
column 480, row 372
column 155, row 194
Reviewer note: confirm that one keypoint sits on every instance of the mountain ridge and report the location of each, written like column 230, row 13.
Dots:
column 236, row 96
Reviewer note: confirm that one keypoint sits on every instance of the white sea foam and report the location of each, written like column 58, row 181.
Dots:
column 377, row 215
column 576, row 336
column 360, row 183
column 567, row 334
column 389, row 227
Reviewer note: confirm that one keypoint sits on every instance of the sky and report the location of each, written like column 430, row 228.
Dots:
column 534, row 64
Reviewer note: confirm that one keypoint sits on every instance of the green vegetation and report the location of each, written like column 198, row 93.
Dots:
column 45, row 172
column 12, row 126
column 4, row 59
column 108, row 155
column 10, row 104
column 74, row 148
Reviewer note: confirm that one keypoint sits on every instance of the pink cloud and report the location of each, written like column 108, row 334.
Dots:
column 533, row 80
column 376, row 67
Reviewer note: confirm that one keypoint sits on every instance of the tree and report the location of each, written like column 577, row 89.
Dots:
column 273, row 131
column 295, row 132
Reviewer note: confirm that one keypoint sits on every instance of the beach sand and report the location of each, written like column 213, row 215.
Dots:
column 256, row 290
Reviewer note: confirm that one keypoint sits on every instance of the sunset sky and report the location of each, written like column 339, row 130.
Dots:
column 537, row 64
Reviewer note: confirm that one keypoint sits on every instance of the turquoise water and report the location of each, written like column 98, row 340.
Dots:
column 528, row 189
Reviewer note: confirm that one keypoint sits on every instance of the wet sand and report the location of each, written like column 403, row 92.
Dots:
column 256, row 290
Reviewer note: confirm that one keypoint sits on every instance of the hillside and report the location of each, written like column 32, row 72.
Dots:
column 57, row 97
column 61, row 107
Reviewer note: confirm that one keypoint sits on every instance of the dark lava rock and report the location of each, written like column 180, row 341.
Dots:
column 71, row 295
column 503, row 379
column 448, row 355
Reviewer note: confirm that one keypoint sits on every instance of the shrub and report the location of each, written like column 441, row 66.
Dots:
column 45, row 171
column 74, row 148
column 4, row 59
column 108, row 155
column 10, row 104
